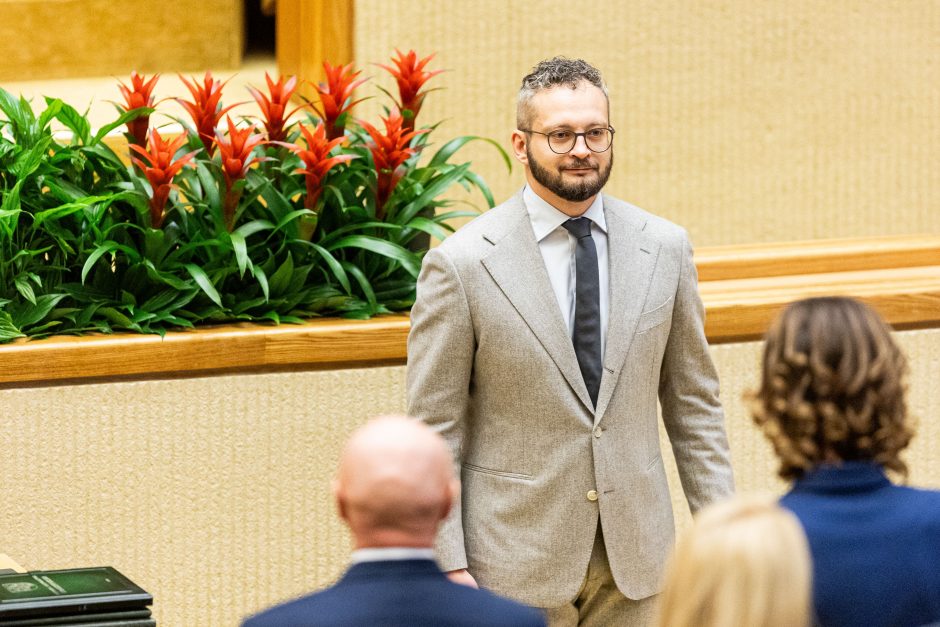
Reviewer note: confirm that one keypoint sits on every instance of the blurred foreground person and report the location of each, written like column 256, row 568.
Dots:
column 743, row 563
column 831, row 401
column 394, row 486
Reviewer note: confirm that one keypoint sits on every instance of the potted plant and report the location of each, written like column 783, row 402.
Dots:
column 304, row 212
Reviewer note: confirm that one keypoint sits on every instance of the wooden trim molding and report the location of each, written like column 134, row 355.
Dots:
column 717, row 263
column 742, row 287
column 309, row 32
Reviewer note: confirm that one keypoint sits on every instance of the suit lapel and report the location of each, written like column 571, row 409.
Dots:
column 632, row 260
column 517, row 267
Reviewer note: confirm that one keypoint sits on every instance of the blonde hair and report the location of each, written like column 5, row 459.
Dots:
column 744, row 562
column 832, row 388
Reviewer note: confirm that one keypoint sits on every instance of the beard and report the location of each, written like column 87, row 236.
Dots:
column 575, row 191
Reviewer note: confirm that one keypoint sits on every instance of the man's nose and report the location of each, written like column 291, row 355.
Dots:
column 580, row 149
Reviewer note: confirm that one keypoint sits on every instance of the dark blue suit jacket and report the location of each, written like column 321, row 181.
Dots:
column 406, row 593
column 875, row 546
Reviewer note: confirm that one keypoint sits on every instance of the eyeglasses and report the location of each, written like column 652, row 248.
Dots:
column 563, row 141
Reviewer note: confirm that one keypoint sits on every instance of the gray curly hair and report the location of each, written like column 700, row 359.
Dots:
column 550, row 73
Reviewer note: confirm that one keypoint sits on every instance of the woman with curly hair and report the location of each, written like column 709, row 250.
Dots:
column 832, row 403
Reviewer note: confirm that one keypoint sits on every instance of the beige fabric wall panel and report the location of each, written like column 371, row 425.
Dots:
column 213, row 493
column 744, row 121
column 42, row 39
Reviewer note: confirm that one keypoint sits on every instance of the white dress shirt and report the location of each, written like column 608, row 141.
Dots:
column 557, row 246
column 390, row 554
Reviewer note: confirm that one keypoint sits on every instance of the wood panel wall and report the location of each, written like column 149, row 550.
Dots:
column 42, row 40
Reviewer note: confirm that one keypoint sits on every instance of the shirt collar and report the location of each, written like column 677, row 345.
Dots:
column 843, row 478
column 546, row 218
column 390, row 553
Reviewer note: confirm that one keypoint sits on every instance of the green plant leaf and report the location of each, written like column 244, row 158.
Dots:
column 65, row 209
column 27, row 162
column 280, row 280
column 210, row 188
column 8, row 330
column 100, row 251
column 241, row 252
column 436, row 188
column 10, row 209
column 447, row 150
column 335, row 267
column 262, row 279
column 481, row 185
column 166, row 278
column 250, row 228
column 364, row 284
column 53, row 106
column 74, row 121
column 116, row 317
column 276, row 202
column 25, row 289
column 20, row 115
column 291, row 216
column 124, row 118
column 335, row 234
column 428, row 226
column 202, row 279
column 408, row 260
column 28, row 314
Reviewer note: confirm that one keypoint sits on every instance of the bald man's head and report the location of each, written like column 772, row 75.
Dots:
column 395, row 483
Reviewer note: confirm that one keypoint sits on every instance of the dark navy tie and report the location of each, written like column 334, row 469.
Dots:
column 587, row 307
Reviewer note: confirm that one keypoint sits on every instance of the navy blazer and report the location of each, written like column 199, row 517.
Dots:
column 875, row 546
column 405, row 593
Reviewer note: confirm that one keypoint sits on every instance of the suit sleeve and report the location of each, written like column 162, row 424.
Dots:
column 441, row 348
column 688, row 393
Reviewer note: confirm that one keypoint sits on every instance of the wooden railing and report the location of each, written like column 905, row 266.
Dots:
column 743, row 287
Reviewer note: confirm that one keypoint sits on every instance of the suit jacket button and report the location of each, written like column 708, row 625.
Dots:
column 592, row 495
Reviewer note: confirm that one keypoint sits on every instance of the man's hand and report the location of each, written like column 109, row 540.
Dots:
column 462, row 577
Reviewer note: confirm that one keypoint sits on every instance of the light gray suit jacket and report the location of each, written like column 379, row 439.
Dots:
column 492, row 368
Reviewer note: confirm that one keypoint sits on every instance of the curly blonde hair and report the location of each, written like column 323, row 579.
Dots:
column 832, row 388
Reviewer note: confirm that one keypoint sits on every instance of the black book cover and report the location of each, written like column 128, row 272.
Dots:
column 76, row 620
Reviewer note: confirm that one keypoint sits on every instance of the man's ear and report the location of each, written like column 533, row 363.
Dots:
column 340, row 500
column 518, row 146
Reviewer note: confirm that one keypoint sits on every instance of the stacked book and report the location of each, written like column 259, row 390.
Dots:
column 78, row 597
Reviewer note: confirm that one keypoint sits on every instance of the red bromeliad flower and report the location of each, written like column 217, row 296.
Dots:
column 410, row 75
column 207, row 109
column 274, row 105
column 235, row 152
column 159, row 166
column 140, row 94
column 390, row 151
column 336, row 97
column 317, row 160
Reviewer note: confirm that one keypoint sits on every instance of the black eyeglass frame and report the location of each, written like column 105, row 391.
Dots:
column 583, row 135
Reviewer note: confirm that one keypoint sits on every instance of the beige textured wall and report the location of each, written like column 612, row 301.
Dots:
column 744, row 121
column 213, row 493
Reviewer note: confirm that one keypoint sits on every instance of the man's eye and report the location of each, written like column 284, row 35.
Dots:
column 560, row 135
column 596, row 133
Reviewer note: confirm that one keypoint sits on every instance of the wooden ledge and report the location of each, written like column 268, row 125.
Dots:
column 325, row 343
column 741, row 309
column 718, row 263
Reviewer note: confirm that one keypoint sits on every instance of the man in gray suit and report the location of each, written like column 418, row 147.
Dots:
column 543, row 333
